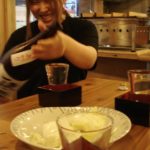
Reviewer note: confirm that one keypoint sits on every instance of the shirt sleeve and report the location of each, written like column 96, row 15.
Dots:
column 88, row 35
column 85, row 32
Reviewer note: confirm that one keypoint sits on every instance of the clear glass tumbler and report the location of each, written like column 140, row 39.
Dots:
column 85, row 130
column 57, row 73
column 139, row 81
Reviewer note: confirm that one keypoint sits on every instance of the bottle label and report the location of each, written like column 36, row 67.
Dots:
column 21, row 58
column 8, row 85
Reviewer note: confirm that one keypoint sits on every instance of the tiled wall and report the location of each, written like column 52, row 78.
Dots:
column 128, row 5
column 124, row 6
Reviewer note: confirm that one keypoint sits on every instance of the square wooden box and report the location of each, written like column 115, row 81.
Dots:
column 135, row 106
column 60, row 95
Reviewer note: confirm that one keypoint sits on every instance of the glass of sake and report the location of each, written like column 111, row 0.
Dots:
column 57, row 73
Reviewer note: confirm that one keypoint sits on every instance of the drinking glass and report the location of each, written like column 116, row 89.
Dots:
column 85, row 130
column 139, row 81
column 57, row 73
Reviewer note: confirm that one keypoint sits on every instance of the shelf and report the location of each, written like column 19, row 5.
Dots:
column 142, row 54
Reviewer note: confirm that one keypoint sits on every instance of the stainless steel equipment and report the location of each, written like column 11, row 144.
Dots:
column 124, row 33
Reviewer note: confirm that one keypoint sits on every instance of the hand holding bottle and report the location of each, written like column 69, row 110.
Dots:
column 81, row 55
column 18, row 63
column 49, row 48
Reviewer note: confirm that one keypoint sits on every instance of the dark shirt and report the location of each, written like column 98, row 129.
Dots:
column 80, row 29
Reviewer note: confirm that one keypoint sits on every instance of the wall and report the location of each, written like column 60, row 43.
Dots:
column 7, row 17
column 2, row 34
column 128, row 5
column 110, row 5
column 87, row 5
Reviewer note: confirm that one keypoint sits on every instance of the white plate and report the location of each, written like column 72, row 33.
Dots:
column 33, row 120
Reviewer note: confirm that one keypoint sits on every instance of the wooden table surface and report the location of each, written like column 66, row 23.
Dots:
column 95, row 92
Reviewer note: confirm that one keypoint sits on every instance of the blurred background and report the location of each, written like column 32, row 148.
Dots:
column 71, row 6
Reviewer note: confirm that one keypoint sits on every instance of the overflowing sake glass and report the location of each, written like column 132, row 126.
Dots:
column 57, row 73
column 85, row 130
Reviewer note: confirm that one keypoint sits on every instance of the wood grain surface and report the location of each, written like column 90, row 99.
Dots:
column 95, row 92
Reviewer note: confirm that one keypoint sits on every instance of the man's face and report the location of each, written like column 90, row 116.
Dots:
column 44, row 10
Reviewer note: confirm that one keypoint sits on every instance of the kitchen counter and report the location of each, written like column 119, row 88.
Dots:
column 140, row 54
column 114, row 63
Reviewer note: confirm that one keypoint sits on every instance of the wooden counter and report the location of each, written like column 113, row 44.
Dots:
column 140, row 54
column 115, row 63
column 95, row 92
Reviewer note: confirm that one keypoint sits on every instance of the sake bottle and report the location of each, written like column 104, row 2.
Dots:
column 18, row 65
